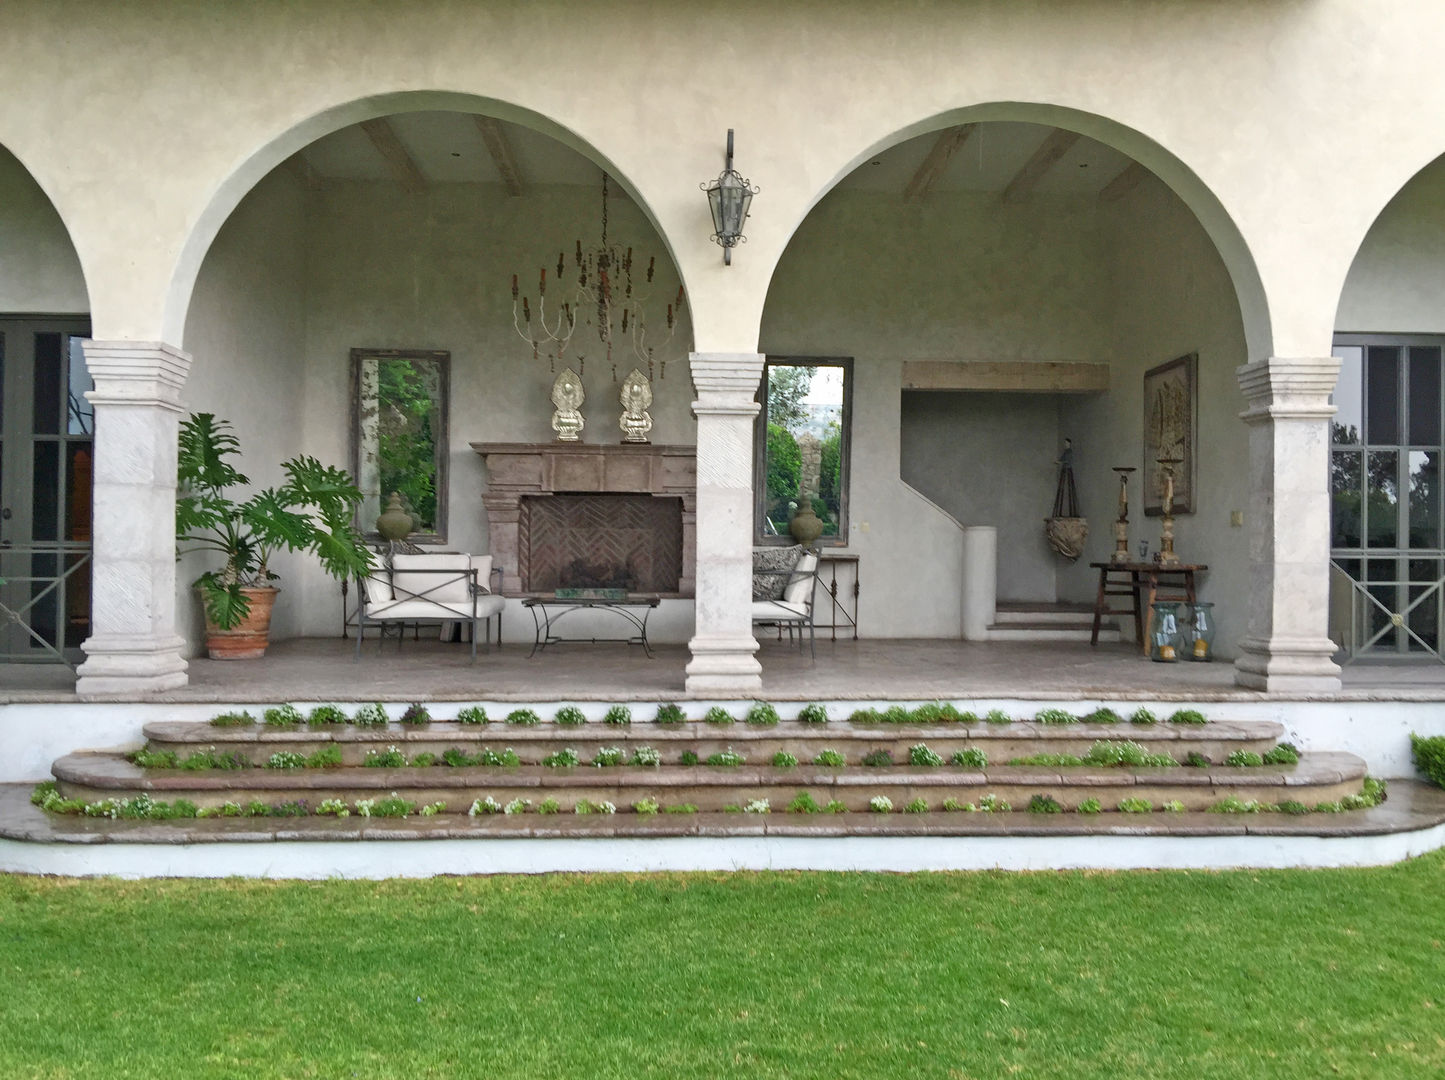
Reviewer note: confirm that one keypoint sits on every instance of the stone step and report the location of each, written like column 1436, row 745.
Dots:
column 1067, row 614
column 999, row 742
column 1109, row 633
column 1319, row 777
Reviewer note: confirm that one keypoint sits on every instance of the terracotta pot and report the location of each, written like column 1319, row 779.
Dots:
column 247, row 640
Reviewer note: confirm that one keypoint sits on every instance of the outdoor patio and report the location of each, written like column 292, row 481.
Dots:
column 325, row 669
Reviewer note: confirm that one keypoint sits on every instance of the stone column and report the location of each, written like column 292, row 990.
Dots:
column 1287, row 648
column 723, row 645
column 133, row 646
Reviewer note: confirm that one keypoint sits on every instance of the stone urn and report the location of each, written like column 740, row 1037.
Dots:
column 247, row 640
column 805, row 526
column 394, row 523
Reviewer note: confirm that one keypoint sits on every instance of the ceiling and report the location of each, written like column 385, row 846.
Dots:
column 448, row 147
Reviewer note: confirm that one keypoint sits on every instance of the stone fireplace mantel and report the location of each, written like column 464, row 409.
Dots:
column 519, row 470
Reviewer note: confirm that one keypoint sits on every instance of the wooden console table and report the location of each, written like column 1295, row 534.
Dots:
column 1143, row 584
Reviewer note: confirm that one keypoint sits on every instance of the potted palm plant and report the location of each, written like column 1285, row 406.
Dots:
column 312, row 511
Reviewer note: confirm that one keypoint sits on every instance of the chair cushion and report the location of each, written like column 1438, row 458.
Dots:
column 482, row 564
column 779, row 611
column 377, row 587
column 441, row 578
column 799, row 589
column 781, row 561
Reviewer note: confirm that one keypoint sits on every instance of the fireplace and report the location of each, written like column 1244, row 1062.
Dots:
column 568, row 515
column 631, row 542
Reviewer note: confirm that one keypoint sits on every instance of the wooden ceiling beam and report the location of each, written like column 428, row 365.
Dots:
column 303, row 172
column 1127, row 180
column 948, row 143
column 1055, row 146
column 500, row 147
column 383, row 137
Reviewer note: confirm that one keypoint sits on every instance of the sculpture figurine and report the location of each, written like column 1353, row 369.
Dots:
column 567, row 395
column 636, row 396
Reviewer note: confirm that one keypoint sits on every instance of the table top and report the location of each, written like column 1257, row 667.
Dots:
column 593, row 601
column 1149, row 567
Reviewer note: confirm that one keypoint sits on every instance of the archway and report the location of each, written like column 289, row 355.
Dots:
column 1003, row 284
column 397, row 233
column 46, row 428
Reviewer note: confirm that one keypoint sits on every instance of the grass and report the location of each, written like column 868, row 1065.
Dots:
column 1078, row 975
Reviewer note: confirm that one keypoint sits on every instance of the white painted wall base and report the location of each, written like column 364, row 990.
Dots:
column 427, row 858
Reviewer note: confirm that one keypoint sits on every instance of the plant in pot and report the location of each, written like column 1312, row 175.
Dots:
column 312, row 511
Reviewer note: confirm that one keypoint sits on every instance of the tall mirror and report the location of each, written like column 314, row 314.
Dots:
column 801, row 451
column 399, row 436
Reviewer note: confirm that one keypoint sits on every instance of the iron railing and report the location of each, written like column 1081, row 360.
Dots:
column 1375, row 626
column 26, row 594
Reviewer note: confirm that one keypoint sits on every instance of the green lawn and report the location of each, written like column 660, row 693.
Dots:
column 1244, row 974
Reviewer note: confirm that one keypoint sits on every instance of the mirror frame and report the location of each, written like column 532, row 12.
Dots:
column 443, row 360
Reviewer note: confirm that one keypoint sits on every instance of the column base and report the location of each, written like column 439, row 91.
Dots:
column 1287, row 665
column 724, row 667
column 123, row 666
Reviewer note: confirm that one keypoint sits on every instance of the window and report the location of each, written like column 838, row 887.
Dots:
column 399, row 436
column 1385, row 497
column 801, row 449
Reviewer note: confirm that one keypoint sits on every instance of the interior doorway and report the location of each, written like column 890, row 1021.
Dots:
column 47, row 433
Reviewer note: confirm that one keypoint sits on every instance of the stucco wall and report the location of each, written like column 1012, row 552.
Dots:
column 1170, row 295
column 1397, row 281
column 39, row 270
column 988, row 459
column 247, row 338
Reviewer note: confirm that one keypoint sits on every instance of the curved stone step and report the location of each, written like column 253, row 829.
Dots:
column 1321, row 777
column 1000, row 742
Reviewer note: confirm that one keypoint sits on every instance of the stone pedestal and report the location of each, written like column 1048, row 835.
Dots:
column 723, row 662
column 134, row 647
column 1287, row 648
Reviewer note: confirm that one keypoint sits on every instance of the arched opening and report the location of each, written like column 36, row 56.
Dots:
column 358, row 306
column 1387, row 437
column 1003, row 285
column 46, row 429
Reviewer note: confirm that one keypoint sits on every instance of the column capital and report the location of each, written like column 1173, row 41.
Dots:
column 726, row 383
column 136, row 373
column 1289, row 388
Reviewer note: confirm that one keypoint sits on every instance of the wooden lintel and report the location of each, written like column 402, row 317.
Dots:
column 383, row 137
column 500, row 147
column 303, row 171
column 1010, row 376
column 1127, row 180
column 948, row 143
column 1055, row 146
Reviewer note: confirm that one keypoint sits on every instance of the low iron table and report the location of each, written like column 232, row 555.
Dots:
column 548, row 611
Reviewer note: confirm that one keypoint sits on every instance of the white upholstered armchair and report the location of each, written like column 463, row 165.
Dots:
column 446, row 587
column 783, row 594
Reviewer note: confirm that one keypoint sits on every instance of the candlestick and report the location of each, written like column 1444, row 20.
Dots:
column 1165, row 556
column 1121, row 524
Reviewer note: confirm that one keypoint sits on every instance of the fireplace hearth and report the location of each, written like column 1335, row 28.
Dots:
column 579, row 516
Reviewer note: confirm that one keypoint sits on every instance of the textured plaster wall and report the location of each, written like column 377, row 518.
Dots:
column 1170, row 295
column 957, row 277
column 39, row 270
column 988, row 459
column 247, row 337
column 1397, row 281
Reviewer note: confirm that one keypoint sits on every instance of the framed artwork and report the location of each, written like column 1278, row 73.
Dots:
column 1171, row 430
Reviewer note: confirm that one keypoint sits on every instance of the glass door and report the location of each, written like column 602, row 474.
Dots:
column 46, row 450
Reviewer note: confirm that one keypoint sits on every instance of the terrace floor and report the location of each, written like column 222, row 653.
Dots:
column 324, row 669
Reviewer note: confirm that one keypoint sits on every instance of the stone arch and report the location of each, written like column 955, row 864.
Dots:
column 248, row 172
column 45, row 270
column 1175, row 173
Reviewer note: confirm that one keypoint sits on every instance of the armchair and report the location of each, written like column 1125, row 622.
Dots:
column 450, row 587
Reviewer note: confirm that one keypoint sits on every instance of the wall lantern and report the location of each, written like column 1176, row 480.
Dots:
column 729, row 197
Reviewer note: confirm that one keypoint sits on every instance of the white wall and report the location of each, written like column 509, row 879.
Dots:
column 39, row 270
column 1170, row 295
column 989, row 459
column 246, row 333
column 1397, row 281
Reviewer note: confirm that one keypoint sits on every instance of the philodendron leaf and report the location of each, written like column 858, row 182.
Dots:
column 225, row 604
